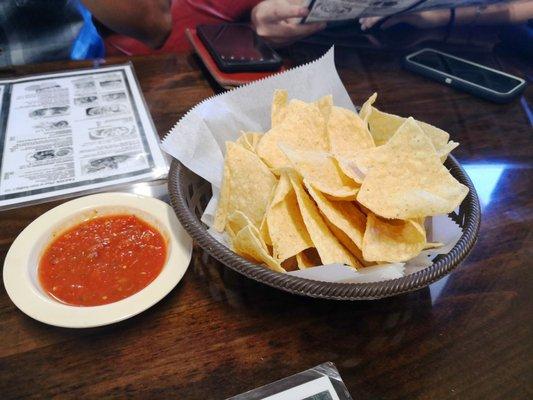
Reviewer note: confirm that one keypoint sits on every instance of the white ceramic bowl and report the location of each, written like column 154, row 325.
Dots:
column 21, row 263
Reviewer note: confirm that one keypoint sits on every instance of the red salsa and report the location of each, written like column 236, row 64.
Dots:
column 102, row 260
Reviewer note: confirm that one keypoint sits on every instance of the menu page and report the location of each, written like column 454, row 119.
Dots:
column 339, row 10
column 73, row 132
column 322, row 382
column 318, row 389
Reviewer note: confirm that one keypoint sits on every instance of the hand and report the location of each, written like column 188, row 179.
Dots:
column 277, row 21
column 422, row 20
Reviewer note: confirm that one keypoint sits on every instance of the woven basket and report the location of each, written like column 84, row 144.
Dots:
column 189, row 195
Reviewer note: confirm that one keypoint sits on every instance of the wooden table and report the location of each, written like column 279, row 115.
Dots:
column 468, row 336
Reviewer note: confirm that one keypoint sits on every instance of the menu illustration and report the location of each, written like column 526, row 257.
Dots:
column 74, row 132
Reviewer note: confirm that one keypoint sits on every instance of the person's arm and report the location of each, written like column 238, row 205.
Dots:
column 149, row 21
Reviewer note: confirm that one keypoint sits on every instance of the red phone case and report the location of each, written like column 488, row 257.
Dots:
column 227, row 80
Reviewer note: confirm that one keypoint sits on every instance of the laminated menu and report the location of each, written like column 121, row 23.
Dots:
column 339, row 10
column 72, row 132
column 322, row 382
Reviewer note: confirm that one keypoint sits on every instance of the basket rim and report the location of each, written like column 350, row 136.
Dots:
column 330, row 290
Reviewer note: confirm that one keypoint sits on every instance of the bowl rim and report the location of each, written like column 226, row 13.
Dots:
column 331, row 290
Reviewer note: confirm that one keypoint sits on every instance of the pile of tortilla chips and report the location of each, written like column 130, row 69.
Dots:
column 325, row 185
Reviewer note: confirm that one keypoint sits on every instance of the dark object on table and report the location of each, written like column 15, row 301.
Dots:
column 236, row 47
column 227, row 80
column 479, row 80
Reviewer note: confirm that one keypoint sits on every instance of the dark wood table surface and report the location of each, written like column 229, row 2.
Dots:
column 467, row 336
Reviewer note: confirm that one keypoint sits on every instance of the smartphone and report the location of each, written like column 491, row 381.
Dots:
column 462, row 74
column 236, row 47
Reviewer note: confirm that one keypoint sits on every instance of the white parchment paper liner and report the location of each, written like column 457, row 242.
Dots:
column 197, row 141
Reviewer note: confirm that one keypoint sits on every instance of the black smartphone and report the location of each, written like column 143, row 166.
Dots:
column 236, row 47
column 462, row 74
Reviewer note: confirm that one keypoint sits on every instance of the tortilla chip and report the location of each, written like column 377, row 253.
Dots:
column 406, row 178
column 230, row 233
column 285, row 224
column 439, row 139
column 348, row 166
column 347, row 133
column 263, row 231
column 383, row 126
column 325, row 104
column 446, row 149
column 249, row 140
column 279, row 107
column 221, row 214
column 248, row 244
column 420, row 224
column 343, row 214
column 322, row 170
column 263, row 228
column 282, row 189
column 366, row 109
column 348, row 243
column 247, row 186
column 392, row 240
column 328, row 247
column 302, row 128
column 237, row 221
column 256, row 137
column 433, row 245
column 409, row 139
column 245, row 140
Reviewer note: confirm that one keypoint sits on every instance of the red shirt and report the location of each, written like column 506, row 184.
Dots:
column 185, row 14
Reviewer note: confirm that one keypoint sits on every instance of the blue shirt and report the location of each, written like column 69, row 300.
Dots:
column 34, row 31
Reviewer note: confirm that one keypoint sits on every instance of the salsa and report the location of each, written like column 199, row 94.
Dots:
column 102, row 260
